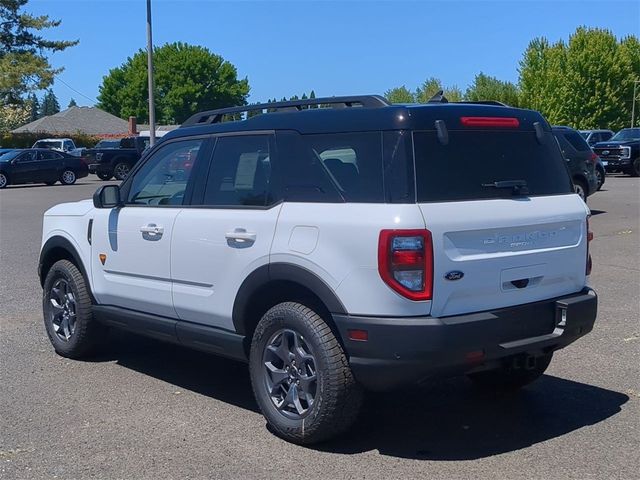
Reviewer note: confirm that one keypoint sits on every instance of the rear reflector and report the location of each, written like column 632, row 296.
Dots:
column 589, row 238
column 358, row 335
column 497, row 122
column 405, row 262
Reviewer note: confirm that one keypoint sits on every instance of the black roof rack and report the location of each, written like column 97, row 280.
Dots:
column 485, row 102
column 216, row 116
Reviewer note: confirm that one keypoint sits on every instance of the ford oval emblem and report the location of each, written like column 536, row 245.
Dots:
column 454, row 275
column 605, row 152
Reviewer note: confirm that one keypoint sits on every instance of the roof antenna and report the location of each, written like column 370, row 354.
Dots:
column 438, row 98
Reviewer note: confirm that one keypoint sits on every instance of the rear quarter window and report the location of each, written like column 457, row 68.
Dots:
column 472, row 160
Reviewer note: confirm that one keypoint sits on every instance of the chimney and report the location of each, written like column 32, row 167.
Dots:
column 133, row 126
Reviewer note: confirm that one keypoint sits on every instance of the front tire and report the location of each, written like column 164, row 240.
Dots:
column 301, row 377
column 600, row 174
column 634, row 170
column 508, row 378
column 104, row 176
column 4, row 180
column 68, row 177
column 68, row 317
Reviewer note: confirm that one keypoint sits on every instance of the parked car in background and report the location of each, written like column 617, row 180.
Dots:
column 107, row 162
column 595, row 136
column 40, row 165
column 621, row 152
column 5, row 150
column 580, row 159
column 108, row 143
column 60, row 144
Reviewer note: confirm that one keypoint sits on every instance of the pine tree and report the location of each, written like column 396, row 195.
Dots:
column 33, row 105
column 50, row 105
column 72, row 103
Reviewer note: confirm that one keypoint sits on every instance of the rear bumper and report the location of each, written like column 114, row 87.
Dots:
column 402, row 351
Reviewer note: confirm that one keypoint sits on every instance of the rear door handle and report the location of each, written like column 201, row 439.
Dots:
column 152, row 230
column 239, row 237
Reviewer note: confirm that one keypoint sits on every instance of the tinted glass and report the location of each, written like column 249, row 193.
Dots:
column 239, row 172
column 399, row 181
column 163, row 179
column 300, row 174
column 472, row 161
column 49, row 156
column 606, row 136
column 47, row 144
column 576, row 140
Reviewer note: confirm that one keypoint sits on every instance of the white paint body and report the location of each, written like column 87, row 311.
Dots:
column 194, row 269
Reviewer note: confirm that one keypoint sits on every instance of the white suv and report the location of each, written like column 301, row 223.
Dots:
column 364, row 246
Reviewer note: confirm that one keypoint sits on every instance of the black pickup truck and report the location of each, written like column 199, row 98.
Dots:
column 116, row 160
column 621, row 153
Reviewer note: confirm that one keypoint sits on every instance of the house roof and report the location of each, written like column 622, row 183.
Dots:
column 85, row 120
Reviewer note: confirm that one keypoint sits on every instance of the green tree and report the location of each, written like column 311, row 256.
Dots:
column 585, row 83
column 50, row 105
column 72, row 103
column 13, row 116
column 453, row 94
column 188, row 79
column 428, row 89
column 485, row 87
column 24, row 67
column 33, row 106
column 400, row 95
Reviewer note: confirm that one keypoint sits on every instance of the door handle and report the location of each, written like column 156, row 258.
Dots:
column 152, row 230
column 239, row 237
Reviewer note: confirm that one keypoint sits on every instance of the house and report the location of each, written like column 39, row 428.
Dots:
column 78, row 120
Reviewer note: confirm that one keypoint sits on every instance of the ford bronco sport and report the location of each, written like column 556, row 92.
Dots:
column 337, row 249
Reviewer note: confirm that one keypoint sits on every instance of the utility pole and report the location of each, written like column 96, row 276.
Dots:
column 152, row 108
column 633, row 105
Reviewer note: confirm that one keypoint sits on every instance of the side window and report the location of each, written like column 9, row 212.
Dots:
column 51, row 155
column 240, row 172
column 576, row 141
column 565, row 146
column 163, row 179
column 29, row 156
column 68, row 145
column 606, row 136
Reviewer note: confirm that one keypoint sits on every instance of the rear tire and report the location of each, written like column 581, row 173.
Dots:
column 581, row 189
column 507, row 378
column 4, row 180
column 104, row 176
column 312, row 400
column 634, row 170
column 600, row 174
column 121, row 170
column 67, row 309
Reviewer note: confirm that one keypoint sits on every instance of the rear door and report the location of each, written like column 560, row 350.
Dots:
column 498, row 244
column 228, row 231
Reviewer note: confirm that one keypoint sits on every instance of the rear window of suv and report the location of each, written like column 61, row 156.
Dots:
column 472, row 160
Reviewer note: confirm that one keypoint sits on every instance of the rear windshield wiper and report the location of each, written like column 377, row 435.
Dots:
column 518, row 187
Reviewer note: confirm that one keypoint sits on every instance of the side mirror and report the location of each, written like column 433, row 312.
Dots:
column 107, row 196
column 14, row 161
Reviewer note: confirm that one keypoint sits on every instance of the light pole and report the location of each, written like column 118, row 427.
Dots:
column 152, row 109
column 633, row 105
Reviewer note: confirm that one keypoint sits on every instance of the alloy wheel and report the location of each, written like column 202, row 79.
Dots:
column 62, row 310
column 121, row 171
column 68, row 177
column 3, row 180
column 290, row 375
column 580, row 191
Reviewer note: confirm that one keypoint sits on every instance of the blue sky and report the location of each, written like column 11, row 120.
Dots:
column 335, row 48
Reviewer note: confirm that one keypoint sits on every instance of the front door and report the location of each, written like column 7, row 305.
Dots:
column 131, row 263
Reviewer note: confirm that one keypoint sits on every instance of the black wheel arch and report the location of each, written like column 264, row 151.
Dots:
column 59, row 248
column 276, row 282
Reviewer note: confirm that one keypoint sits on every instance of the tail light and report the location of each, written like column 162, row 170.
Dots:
column 594, row 158
column 498, row 122
column 405, row 262
column 589, row 238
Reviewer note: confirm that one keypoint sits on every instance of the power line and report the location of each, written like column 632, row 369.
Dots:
column 79, row 93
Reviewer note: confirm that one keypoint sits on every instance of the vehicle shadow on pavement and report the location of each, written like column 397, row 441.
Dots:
column 440, row 420
column 450, row 420
column 213, row 376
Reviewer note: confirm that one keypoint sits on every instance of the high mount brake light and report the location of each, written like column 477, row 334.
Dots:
column 405, row 262
column 498, row 122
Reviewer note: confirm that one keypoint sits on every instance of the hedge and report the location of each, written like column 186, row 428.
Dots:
column 26, row 140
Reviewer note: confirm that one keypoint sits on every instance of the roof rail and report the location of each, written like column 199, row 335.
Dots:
column 216, row 116
column 486, row 102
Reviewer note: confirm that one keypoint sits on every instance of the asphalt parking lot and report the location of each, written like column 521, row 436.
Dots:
column 150, row 410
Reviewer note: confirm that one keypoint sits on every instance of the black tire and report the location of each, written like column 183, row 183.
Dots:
column 634, row 170
column 68, row 177
column 4, row 180
column 121, row 170
column 507, row 378
column 581, row 188
column 336, row 398
column 85, row 333
column 104, row 176
column 600, row 175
